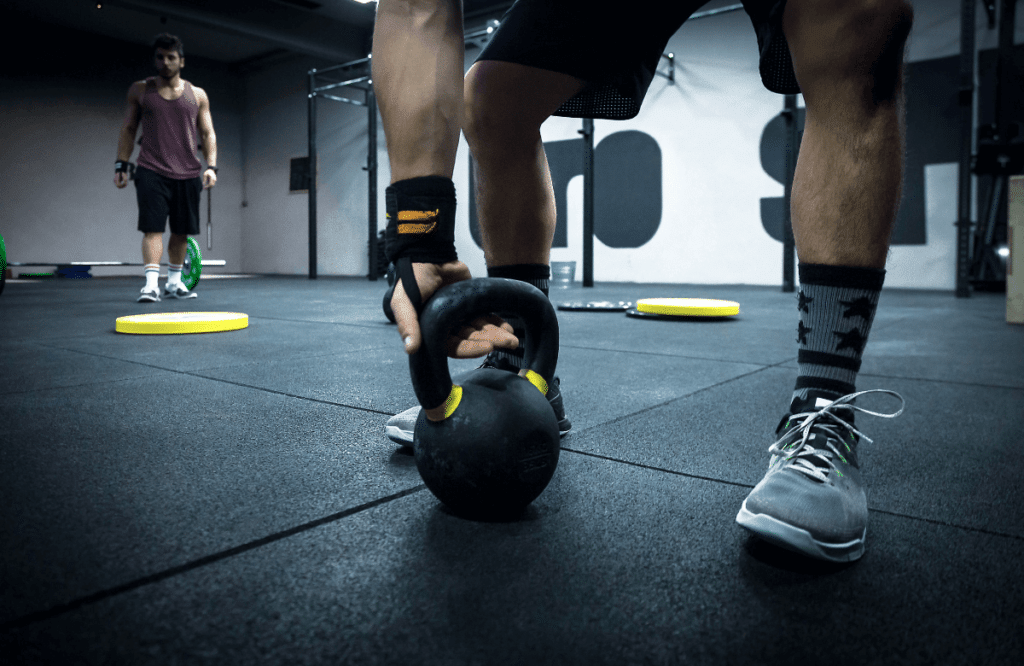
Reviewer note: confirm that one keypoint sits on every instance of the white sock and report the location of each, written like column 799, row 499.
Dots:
column 174, row 274
column 152, row 275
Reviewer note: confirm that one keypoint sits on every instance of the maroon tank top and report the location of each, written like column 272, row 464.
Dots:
column 169, row 131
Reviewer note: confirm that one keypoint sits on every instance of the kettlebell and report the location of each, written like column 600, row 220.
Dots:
column 497, row 446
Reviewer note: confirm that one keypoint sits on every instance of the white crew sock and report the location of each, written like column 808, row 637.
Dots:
column 152, row 275
column 174, row 274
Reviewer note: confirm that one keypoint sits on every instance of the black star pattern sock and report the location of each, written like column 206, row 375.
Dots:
column 536, row 274
column 837, row 305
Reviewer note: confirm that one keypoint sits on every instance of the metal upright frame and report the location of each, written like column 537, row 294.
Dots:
column 363, row 82
column 966, row 100
column 999, row 154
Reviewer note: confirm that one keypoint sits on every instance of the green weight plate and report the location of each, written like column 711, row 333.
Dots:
column 193, row 265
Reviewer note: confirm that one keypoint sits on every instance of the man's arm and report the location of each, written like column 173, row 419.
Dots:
column 129, row 128
column 209, row 137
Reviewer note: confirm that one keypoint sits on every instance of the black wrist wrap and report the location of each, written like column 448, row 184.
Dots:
column 421, row 227
column 421, row 220
column 121, row 165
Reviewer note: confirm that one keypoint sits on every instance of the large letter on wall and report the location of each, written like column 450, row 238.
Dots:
column 931, row 137
column 627, row 188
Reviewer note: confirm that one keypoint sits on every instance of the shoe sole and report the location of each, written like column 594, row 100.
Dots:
column 797, row 539
column 404, row 437
column 398, row 436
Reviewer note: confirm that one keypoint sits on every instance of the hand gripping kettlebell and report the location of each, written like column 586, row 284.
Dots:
column 497, row 446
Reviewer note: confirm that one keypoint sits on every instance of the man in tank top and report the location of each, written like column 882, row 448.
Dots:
column 175, row 119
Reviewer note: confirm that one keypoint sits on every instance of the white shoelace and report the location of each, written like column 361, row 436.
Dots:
column 827, row 422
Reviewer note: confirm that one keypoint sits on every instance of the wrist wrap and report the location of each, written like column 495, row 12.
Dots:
column 122, row 166
column 421, row 220
column 421, row 227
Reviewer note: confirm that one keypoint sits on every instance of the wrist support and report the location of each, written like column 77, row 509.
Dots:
column 122, row 166
column 421, row 227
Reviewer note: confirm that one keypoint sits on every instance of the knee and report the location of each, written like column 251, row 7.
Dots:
column 489, row 119
column 420, row 8
column 887, row 25
column 848, row 37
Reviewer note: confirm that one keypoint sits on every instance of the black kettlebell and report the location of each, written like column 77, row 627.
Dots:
column 497, row 447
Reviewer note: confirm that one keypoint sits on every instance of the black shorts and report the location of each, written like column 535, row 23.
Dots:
column 617, row 53
column 160, row 197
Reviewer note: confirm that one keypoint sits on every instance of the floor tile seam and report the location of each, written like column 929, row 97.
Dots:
column 198, row 376
column 684, row 356
column 945, row 523
column 940, row 381
column 216, row 367
column 291, row 395
column 308, row 321
column 668, row 402
column 200, row 562
column 652, row 468
column 215, row 379
column 933, row 521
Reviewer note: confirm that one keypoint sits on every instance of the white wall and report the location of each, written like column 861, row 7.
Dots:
column 59, row 133
column 709, row 128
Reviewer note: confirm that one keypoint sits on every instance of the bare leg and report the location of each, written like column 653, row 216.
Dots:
column 515, row 199
column 417, row 75
column 152, row 248
column 177, row 248
column 848, row 58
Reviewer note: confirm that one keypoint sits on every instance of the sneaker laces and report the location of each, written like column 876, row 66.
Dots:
column 816, row 462
column 498, row 363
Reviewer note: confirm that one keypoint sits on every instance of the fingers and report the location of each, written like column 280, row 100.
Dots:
column 406, row 319
column 429, row 278
column 481, row 337
column 502, row 334
column 459, row 348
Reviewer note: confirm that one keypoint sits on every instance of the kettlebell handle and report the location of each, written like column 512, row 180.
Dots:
column 457, row 304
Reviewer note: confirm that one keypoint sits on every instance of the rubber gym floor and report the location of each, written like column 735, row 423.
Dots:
column 230, row 498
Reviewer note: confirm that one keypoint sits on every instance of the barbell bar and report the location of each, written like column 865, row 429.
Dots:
column 191, row 269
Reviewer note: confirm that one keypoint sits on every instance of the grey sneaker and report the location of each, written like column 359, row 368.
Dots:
column 177, row 290
column 812, row 500
column 400, row 427
column 149, row 296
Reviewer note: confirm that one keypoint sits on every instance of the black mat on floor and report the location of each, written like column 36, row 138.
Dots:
column 230, row 498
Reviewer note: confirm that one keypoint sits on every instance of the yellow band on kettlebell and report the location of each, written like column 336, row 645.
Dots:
column 454, row 398
column 536, row 380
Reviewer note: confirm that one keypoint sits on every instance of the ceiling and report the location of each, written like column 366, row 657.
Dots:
column 243, row 33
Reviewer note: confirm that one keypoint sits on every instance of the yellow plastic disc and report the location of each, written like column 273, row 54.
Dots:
column 688, row 307
column 170, row 323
